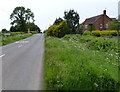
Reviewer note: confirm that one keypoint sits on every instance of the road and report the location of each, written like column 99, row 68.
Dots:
column 22, row 64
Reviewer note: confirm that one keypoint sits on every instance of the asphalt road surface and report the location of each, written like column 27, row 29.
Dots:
column 22, row 64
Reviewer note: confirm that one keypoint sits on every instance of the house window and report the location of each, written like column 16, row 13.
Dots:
column 101, row 26
column 106, row 25
column 86, row 26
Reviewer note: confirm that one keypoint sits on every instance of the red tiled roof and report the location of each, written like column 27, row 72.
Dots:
column 92, row 19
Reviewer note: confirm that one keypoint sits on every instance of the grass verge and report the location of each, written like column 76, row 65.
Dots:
column 71, row 63
column 10, row 39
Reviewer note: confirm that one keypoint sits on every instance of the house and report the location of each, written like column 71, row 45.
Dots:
column 99, row 22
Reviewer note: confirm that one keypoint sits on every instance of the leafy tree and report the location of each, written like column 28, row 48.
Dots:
column 21, row 16
column 15, row 28
column 33, row 27
column 79, row 29
column 4, row 30
column 72, row 19
column 91, row 27
column 114, row 25
column 58, row 21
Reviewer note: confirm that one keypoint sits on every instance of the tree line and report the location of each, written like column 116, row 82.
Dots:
column 21, row 20
column 70, row 25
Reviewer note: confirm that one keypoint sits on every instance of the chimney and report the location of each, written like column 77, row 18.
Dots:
column 104, row 12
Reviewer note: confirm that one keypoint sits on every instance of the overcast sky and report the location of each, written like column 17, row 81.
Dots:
column 46, row 11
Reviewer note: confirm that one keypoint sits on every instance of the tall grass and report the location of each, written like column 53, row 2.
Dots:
column 71, row 65
column 9, row 39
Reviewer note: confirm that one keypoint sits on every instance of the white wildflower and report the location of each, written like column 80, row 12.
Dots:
column 96, row 84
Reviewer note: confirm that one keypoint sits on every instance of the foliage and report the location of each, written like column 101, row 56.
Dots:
column 91, row 27
column 16, row 33
column 114, row 25
column 15, row 36
column 33, row 27
column 72, row 19
column 58, row 30
column 83, row 68
column 34, row 32
column 15, row 28
column 96, row 33
column 102, row 33
column 4, row 30
column 58, row 21
column 79, row 29
column 87, row 33
column 21, row 16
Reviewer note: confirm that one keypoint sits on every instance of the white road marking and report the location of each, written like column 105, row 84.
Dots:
column 2, row 55
column 19, row 46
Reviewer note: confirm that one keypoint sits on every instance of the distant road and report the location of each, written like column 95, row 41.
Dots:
column 22, row 64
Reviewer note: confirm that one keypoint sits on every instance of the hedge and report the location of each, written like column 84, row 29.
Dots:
column 12, row 33
column 102, row 33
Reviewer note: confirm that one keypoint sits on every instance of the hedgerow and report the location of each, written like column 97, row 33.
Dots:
column 102, row 33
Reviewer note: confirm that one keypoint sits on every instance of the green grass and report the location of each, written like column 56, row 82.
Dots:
column 10, row 39
column 71, row 64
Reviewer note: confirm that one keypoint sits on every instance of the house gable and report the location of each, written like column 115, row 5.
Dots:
column 100, row 22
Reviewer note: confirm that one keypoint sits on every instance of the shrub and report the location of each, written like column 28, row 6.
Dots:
column 50, row 30
column 58, row 30
column 114, row 33
column 33, row 32
column 87, row 33
column 16, row 33
column 96, row 33
column 102, row 33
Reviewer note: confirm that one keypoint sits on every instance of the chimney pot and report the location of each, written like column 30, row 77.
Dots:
column 104, row 12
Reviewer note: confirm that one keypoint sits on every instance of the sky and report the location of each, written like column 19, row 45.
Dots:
column 46, row 11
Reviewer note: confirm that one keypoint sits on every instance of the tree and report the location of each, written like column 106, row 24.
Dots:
column 15, row 28
column 58, row 21
column 114, row 25
column 33, row 27
column 4, row 30
column 72, row 19
column 79, row 29
column 21, row 16
column 91, row 27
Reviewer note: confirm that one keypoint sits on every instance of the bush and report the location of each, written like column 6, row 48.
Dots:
column 50, row 30
column 33, row 32
column 16, row 33
column 96, row 33
column 58, row 30
column 87, row 33
column 102, row 33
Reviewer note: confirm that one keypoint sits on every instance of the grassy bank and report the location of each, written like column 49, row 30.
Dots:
column 10, row 39
column 81, row 63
